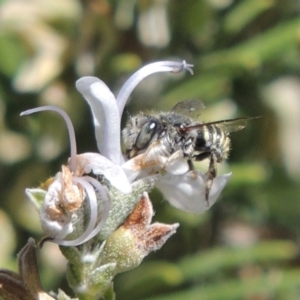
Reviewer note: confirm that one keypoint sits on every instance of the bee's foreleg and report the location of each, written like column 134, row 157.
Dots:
column 210, row 175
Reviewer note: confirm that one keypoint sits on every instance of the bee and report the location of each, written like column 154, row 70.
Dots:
column 178, row 133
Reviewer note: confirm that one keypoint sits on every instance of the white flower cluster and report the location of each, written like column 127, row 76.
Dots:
column 65, row 194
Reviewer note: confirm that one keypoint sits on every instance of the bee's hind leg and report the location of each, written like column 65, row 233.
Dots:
column 191, row 165
column 210, row 175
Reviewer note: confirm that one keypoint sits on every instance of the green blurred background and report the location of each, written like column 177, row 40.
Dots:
column 246, row 57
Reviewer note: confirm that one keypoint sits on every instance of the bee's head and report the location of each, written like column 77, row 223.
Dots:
column 139, row 132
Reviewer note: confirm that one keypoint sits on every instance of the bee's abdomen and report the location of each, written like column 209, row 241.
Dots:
column 212, row 139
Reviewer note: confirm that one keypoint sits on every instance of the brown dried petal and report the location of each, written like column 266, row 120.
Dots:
column 155, row 236
column 141, row 216
column 148, row 237
column 54, row 212
column 72, row 195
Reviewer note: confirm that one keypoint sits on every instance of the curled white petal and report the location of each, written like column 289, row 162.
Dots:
column 187, row 192
column 91, row 230
column 105, row 210
column 100, row 165
column 69, row 126
column 105, row 114
column 137, row 77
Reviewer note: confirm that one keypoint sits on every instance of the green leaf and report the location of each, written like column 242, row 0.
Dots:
column 205, row 86
column 152, row 276
column 254, row 52
column 263, row 285
column 11, row 54
column 216, row 260
column 244, row 13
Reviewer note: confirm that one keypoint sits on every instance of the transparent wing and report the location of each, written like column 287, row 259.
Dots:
column 230, row 125
column 190, row 108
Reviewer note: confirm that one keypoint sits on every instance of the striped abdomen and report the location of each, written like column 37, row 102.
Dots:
column 211, row 138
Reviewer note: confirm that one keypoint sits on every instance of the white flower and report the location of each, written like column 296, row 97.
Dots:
column 185, row 190
column 65, row 193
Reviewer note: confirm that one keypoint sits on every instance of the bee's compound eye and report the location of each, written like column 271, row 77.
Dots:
column 146, row 134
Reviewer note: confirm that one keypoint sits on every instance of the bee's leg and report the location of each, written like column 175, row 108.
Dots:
column 191, row 165
column 211, row 174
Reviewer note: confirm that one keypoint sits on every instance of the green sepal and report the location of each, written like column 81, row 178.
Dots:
column 36, row 196
column 123, row 204
column 101, row 278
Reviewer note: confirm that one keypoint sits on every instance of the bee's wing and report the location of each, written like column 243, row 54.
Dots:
column 230, row 125
column 190, row 108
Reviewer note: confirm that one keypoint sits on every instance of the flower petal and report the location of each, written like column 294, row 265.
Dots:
column 137, row 77
column 187, row 192
column 91, row 229
column 106, row 116
column 100, row 165
column 136, row 168
column 69, row 124
column 105, row 210
column 177, row 166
